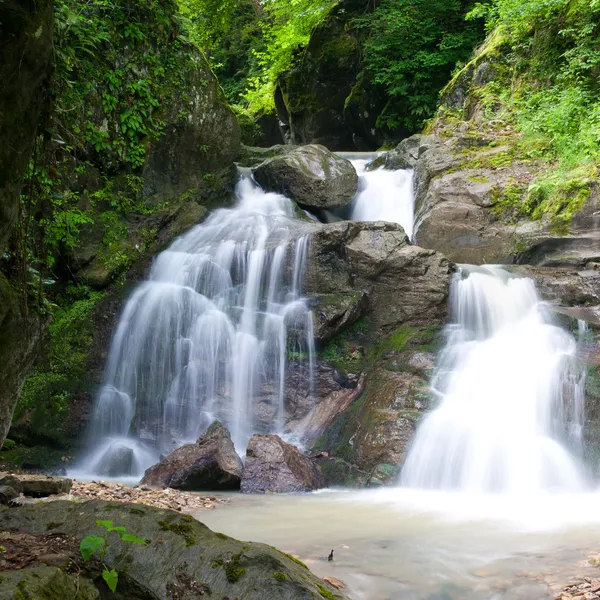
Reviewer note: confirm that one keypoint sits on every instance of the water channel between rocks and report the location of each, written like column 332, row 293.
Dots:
column 400, row 544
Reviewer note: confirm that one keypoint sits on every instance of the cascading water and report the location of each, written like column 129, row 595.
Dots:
column 207, row 337
column 510, row 392
column 384, row 196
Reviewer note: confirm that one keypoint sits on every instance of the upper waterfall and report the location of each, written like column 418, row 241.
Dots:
column 510, row 391
column 208, row 335
column 384, row 196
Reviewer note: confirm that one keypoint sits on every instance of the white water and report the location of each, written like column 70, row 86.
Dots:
column 384, row 196
column 207, row 336
column 510, row 391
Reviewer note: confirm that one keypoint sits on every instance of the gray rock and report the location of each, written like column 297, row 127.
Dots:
column 274, row 466
column 404, row 284
column 210, row 464
column 7, row 493
column 37, row 486
column 310, row 175
column 117, row 461
column 183, row 559
column 335, row 312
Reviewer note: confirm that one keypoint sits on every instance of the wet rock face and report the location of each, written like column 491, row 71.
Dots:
column 25, row 69
column 403, row 284
column 459, row 188
column 368, row 442
column 274, row 466
column 310, row 175
column 117, row 462
column 183, row 558
column 210, row 464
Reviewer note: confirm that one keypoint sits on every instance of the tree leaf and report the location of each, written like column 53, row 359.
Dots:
column 106, row 524
column 127, row 537
column 112, row 578
column 89, row 545
column 119, row 529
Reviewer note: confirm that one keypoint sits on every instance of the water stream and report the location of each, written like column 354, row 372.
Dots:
column 207, row 336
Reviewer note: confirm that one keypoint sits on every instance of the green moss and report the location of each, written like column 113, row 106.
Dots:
column 478, row 178
column 296, row 560
column 325, row 593
column 187, row 519
column 280, row 576
column 218, row 562
column 183, row 528
column 233, row 570
column 137, row 511
column 53, row 525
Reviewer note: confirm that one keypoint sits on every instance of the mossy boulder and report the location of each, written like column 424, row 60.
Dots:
column 310, row 175
column 181, row 558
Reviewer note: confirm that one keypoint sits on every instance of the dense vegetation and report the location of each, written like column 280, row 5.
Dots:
column 410, row 47
column 545, row 66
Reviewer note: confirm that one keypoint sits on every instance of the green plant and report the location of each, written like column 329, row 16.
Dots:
column 92, row 544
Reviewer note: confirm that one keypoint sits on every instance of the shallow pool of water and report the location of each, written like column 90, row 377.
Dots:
column 412, row 545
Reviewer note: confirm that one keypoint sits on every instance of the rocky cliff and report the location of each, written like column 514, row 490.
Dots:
column 25, row 69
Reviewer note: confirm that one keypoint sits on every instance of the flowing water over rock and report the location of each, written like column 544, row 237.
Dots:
column 384, row 196
column 510, row 392
column 207, row 334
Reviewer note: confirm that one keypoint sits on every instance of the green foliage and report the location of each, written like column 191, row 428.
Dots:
column 411, row 49
column 550, row 93
column 92, row 544
column 49, row 390
column 286, row 29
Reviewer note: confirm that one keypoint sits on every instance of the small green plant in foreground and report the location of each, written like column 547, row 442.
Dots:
column 91, row 544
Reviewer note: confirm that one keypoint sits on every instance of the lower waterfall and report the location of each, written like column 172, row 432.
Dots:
column 206, row 337
column 510, row 395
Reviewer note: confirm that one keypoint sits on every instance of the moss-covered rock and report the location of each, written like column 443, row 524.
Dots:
column 310, row 175
column 181, row 558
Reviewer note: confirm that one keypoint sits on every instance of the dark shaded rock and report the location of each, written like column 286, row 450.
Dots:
column 335, row 312
column 326, row 97
column 117, row 461
column 404, row 284
column 182, row 556
column 7, row 493
column 43, row 582
column 25, row 69
column 274, row 466
column 310, row 175
column 210, row 464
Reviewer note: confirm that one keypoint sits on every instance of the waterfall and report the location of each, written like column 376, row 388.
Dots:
column 207, row 336
column 509, row 393
column 384, row 196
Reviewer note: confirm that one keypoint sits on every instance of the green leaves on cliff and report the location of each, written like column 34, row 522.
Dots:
column 412, row 48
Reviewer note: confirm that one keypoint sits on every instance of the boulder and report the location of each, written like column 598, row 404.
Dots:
column 210, row 464
column 7, row 493
column 403, row 284
column 118, row 461
column 336, row 312
column 310, row 175
column 37, row 486
column 274, row 466
column 182, row 558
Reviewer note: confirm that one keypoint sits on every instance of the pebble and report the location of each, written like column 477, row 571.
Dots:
column 161, row 498
column 587, row 588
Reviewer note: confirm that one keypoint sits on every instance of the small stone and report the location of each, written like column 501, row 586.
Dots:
column 336, row 583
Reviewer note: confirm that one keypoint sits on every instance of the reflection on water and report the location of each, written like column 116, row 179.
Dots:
column 414, row 545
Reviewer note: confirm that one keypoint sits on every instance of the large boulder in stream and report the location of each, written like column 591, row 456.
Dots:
column 372, row 269
column 310, row 175
column 272, row 465
column 210, row 464
column 182, row 558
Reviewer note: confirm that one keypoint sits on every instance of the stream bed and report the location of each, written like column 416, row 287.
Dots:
column 405, row 544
